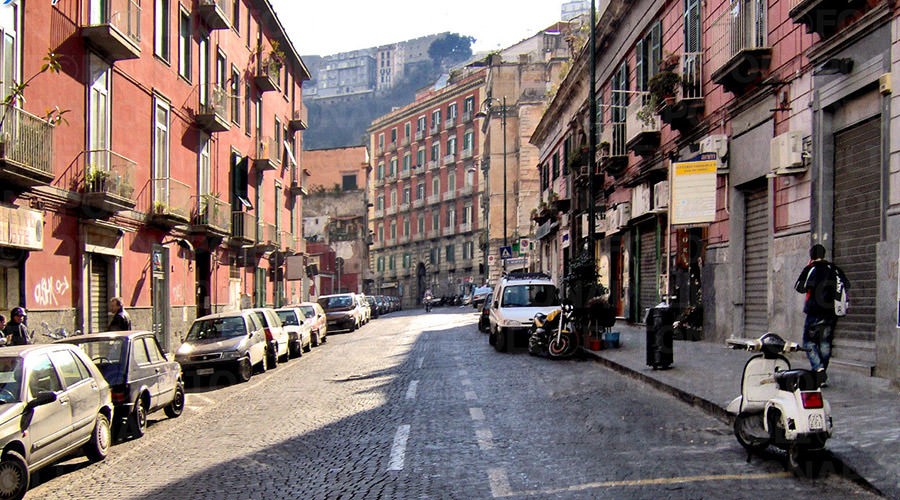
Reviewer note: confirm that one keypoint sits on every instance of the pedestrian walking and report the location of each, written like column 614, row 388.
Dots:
column 818, row 281
column 120, row 321
column 15, row 331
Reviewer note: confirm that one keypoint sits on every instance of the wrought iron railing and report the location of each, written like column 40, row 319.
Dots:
column 740, row 27
column 171, row 198
column 108, row 173
column 211, row 211
column 122, row 15
column 26, row 139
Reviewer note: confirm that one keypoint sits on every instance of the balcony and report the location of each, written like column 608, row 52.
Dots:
column 465, row 227
column 435, row 129
column 465, row 154
column 820, row 16
column 390, row 242
column 418, row 203
column 434, row 199
column 420, row 135
column 405, row 173
column 449, row 123
column 449, row 159
column 466, row 191
column 642, row 125
column 298, row 120
column 404, row 142
column 108, row 181
column 467, row 116
column 213, row 108
column 171, row 203
column 432, row 234
column 211, row 216
column 450, row 194
column 449, row 230
column 268, row 237
column 379, row 182
column 391, row 147
column 613, row 154
column 216, row 14
column 114, row 28
column 288, row 242
column 419, row 169
column 267, row 155
column 433, row 164
column 404, row 207
column 243, row 228
column 739, row 52
column 684, row 111
column 392, row 210
column 404, row 240
column 419, row 236
column 268, row 75
column 26, row 148
column 378, row 213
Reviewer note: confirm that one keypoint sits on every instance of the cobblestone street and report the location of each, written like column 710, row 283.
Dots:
column 419, row 405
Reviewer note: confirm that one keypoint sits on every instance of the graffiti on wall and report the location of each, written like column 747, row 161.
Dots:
column 48, row 291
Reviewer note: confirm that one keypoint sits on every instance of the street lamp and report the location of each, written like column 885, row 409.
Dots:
column 490, row 105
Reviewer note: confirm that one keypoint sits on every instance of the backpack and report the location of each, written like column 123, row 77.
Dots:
column 841, row 300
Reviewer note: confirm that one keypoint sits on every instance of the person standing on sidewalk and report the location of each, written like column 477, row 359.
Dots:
column 121, row 321
column 817, row 281
column 15, row 331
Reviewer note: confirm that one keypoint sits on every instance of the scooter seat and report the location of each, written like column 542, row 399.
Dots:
column 790, row 380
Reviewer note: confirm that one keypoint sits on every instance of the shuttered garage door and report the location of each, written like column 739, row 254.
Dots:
column 648, row 282
column 857, row 230
column 99, row 293
column 756, row 263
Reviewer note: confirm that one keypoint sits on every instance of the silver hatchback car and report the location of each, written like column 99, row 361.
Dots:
column 53, row 401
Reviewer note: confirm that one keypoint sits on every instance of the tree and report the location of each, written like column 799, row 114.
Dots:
column 451, row 48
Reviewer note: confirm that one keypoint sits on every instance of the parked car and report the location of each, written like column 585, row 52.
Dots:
column 141, row 379
column 53, row 402
column 277, row 339
column 364, row 308
column 342, row 310
column 479, row 294
column 235, row 341
column 373, row 306
column 517, row 298
column 484, row 317
column 294, row 323
column 317, row 321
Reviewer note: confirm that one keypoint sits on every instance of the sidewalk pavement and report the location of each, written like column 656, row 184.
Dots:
column 865, row 410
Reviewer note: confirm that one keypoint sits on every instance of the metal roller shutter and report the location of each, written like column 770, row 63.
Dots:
column 648, row 293
column 99, row 294
column 756, row 263
column 857, row 231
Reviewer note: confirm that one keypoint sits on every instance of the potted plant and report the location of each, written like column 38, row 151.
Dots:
column 95, row 179
column 604, row 148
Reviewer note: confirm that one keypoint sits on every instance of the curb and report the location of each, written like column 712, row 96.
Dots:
column 840, row 466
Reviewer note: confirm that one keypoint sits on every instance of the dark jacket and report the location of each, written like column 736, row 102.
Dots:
column 120, row 322
column 17, row 333
column 818, row 283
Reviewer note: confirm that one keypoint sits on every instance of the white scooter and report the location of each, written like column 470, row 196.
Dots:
column 778, row 405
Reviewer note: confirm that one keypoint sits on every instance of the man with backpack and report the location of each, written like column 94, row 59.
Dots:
column 825, row 287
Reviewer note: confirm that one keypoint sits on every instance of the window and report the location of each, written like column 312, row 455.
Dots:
column 451, row 146
column 221, row 70
column 420, row 191
column 393, row 198
column 469, row 141
column 406, row 227
column 554, row 161
column 435, row 255
column 235, row 95
column 406, row 195
column 392, row 262
column 407, row 162
column 380, row 233
column 240, row 184
column 161, row 31
column 236, row 16
column 9, row 69
column 156, row 355
column 247, row 102
column 394, row 136
column 65, row 364
column 407, row 127
column 184, row 44
column 435, row 119
column 279, row 205
column 99, row 109
column 435, row 220
column 450, row 253
column 203, row 169
column 420, row 224
column 379, row 202
column 467, row 214
column 451, row 182
column 139, row 354
column 435, row 186
column 420, row 124
column 469, row 104
column 161, row 151
column 380, row 266
column 407, row 261
column 468, row 250
column 420, row 157
column 348, row 182
column 648, row 55
column 381, row 141
column 451, row 217
column 393, row 169
column 379, row 172
column 42, row 376
column 436, row 151
column 692, row 27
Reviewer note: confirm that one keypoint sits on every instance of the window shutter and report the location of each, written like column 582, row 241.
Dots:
column 639, row 74
column 655, row 55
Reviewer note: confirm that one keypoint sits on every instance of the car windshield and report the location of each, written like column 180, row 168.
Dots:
column 107, row 355
column 308, row 311
column 288, row 318
column 10, row 379
column 341, row 301
column 530, row 296
column 217, row 328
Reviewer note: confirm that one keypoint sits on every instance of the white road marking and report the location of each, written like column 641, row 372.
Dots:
column 499, row 483
column 471, row 396
column 476, row 413
column 419, row 363
column 411, row 391
column 485, row 439
column 398, row 449
column 192, row 397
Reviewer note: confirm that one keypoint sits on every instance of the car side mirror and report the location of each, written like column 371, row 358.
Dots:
column 42, row 398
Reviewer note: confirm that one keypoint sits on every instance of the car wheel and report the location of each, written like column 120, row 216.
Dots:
column 500, row 340
column 287, row 354
column 245, row 370
column 295, row 349
column 137, row 421
column 98, row 447
column 272, row 358
column 176, row 407
column 14, row 476
column 315, row 339
column 308, row 346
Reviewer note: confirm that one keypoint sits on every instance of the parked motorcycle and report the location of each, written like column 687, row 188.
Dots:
column 552, row 334
column 427, row 300
column 55, row 333
column 778, row 405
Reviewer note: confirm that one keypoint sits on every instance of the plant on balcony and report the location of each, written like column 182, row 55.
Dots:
column 95, row 179
column 661, row 89
column 275, row 58
column 159, row 208
column 604, row 148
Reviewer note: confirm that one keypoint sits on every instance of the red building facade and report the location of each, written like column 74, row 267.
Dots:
column 172, row 181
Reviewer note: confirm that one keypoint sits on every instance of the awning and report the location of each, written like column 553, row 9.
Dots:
column 546, row 229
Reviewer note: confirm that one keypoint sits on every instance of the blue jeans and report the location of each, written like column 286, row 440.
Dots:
column 817, row 336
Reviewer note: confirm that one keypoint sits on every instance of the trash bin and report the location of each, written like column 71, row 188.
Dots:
column 659, row 335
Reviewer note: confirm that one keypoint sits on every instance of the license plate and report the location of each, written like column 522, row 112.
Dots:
column 206, row 371
column 816, row 422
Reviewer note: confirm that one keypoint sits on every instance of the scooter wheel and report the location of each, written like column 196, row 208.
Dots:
column 559, row 348
column 743, row 431
column 796, row 459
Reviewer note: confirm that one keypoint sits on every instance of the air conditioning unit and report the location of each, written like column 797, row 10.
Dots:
column 718, row 145
column 624, row 213
column 786, row 154
column 661, row 195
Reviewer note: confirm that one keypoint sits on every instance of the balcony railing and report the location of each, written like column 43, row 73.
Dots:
column 613, row 153
column 26, row 147
column 404, row 240
column 433, row 199
column 449, row 123
column 211, row 215
column 390, row 242
column 418, row 203
column 216, row 14
column 642, row 124
column 691, row 76
column 465, row 227
column 683, row 113
column 404, row 207
column 432, row 234
column 467, row 116
column 449, row 159
column 405, row 174
column 420, row 134
column 419, row 169
column 114, row 28
column 404, row 142
column 433, row 164
column 268, row 75
column 298, row 120
column 739, row 51
column 267, row 235
column 392, row 210
column 268, row 154
column 108, row 181
column 171, row 201
column 243, row 227
column 466, row 153
column 379, row 182
column 379, row 213
column 450, row 194
column 435, row 129
column 288, row 243
column 213, row 108
column 391, row 147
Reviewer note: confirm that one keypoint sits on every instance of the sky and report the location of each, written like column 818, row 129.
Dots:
column 318, row 27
